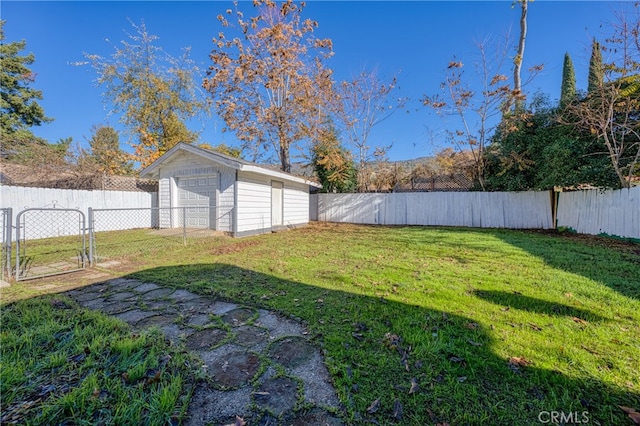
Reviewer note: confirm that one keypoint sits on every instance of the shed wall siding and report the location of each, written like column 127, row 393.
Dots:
column 226, row 200
column 296, row 204
column 254, row 202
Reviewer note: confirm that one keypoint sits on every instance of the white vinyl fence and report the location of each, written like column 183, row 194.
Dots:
column 21, row 198
column 524, row 210
column 601, row 212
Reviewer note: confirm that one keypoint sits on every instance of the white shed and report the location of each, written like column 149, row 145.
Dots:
column 226, row 194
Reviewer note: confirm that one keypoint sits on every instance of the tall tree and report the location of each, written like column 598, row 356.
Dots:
column 366, row 101
column 269, row 83
column 154, row 92
column 568, row 88
column 19, row 109
column 596, row 68
column 333, row 163
column 611, row 111
column 106, row 153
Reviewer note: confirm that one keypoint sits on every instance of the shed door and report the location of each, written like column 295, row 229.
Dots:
column 198, row 195
column 276, row 203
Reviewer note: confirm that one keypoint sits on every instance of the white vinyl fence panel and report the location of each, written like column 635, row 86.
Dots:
column 523, row 210
column 22, row 198
column 613, row 212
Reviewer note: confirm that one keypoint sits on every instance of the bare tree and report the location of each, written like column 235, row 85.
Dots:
column 366, row 101
column 269, row 82
column 477, row 110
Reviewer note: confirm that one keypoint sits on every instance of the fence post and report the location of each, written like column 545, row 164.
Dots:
column 184, row 226
column 7, row 241
column 90, row 229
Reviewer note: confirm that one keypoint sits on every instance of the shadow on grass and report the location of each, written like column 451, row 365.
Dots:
column 424, row 366
column 532, row 304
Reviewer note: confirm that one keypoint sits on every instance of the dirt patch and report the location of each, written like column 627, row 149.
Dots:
column 234, row 247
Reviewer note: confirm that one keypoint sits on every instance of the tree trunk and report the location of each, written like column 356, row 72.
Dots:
column 517, row 81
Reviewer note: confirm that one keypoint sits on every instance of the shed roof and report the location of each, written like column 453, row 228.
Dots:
column 153, row 170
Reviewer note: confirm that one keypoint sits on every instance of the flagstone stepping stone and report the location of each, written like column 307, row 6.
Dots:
column 134, row 315
column 237, row 317
column 277, row 395
column 157, row 320
column 235, row 369
column 143, row 288
column 250, row 336
column 173, row 332
column 157, row 305
column 199, row 320
column 316, row 416
column 182, row 296
column 220, row 308
column 88, row 295
column 117, row 297
column 116, row 307
column 93, row 304
column 200, row 304
column 205, row 339
column 157, row 294
column 291, row 351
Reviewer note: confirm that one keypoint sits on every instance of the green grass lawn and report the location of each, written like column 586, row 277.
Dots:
column 439, row 325
column 64, row 365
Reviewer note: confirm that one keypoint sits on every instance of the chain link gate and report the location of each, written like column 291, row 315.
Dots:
column 49, row 241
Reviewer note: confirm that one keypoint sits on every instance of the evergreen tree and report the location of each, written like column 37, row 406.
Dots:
column 106, row 153
column 568, row 89
column 18, row 107
column 333, row 164
column 596, row 68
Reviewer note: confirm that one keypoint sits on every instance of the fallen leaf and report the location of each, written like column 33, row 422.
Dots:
column 397, row 410
column 632, row 413
column 472, row 325
column 579, row 320
column 414, row 386
column 357, row 336
column 505, row 309
column 519, row 361
column 473, row 343
column 374, row 406
column 462, row 379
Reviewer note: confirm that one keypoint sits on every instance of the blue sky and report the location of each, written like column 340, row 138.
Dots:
column 413, row 40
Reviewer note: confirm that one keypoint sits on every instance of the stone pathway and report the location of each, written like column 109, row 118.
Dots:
column 261, row 366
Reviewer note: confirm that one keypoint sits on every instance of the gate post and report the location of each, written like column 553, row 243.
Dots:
column 91, row 240
column 7, row 246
